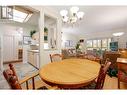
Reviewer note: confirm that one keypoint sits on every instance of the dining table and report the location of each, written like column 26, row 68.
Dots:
column 70, row 73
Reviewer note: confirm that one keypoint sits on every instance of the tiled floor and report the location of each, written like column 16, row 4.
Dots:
column 22, row 70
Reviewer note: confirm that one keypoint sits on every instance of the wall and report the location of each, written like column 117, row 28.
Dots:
column 12, row 29
column 104, row 34
column 44, row 54
column 68, row 36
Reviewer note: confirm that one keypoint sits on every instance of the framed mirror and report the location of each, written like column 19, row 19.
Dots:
column 50, row 32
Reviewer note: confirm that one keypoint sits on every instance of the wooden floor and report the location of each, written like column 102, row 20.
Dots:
column 110, row 84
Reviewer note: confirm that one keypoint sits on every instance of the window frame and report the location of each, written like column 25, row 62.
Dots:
column 101, row 39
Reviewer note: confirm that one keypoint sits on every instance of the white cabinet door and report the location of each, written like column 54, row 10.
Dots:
column 36, row 59
column 31, row 58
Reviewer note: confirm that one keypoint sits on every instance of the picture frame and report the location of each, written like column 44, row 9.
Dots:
column 26, row 40
column 68, row 43
column 71, row 43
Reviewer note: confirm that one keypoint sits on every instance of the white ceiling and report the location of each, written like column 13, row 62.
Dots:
column 97, row 19
column 33, row 19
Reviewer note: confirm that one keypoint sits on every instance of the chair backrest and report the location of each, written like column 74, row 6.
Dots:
column 102, row 75
column 11, row 77
column 91, row 57
column 55, row 57
column 112, row 57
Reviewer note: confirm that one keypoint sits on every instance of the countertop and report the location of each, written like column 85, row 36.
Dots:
column 35, row 51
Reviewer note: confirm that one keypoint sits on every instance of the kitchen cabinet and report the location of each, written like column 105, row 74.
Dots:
column 33, row 58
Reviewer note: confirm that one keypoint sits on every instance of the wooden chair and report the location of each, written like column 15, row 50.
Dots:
column 112, row 57
column 56, row 57
column 92, row 57
column 101, row 77
column 13, row 81
column 122, row 73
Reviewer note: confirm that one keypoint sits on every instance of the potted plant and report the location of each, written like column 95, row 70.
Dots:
column 45, row 34
column 77, row 47
column 32, row 32
column 45, row 30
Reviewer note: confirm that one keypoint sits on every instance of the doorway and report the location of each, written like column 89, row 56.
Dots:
column 12, row 46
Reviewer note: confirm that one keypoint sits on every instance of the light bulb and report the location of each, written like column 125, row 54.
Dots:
column 80, row 15
column 65, row 19
column 63, row 12
column 73, row 19
column 74, row 10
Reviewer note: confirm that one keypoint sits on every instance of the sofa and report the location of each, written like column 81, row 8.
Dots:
column 68, row 53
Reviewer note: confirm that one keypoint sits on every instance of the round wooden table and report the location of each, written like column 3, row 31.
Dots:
column 70, row 73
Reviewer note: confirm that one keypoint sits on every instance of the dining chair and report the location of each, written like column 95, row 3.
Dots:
column 13, row 81
column 122, row 73
column 55, row 57
column 101, row 77
column 92, row 58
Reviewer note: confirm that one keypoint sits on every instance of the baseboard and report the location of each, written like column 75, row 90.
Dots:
column 14, row 61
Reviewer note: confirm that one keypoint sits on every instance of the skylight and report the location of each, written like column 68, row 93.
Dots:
column 20, row 16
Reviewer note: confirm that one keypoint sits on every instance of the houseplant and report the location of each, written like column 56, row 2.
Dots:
column 45, row 33
column 45, row 29
column 32, row 32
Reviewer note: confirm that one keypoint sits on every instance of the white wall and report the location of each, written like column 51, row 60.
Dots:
column 103, row 34
column 44, row 54
column 26, row 32
column 12, row 29
column 68, row 36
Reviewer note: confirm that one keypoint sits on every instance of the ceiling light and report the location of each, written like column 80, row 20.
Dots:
column 74, row 10
column 63, row 12
column 73, row 16
column 80, row 15
column 118, row 34
column 65, row 19
column 73, row 19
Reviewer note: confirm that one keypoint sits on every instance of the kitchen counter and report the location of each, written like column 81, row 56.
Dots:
column 33, row 58
column 35, row 51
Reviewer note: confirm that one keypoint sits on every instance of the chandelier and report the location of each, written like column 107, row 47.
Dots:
column 71, row 16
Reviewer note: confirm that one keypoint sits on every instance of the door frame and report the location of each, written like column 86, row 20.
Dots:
column 1, row 53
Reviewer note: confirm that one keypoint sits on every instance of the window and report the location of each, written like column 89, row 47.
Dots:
column 98, row 44
column 89, row 43
column 20, row 15
column 104, row 43
column 16, row 13
column 6, row 12
column 95, row 43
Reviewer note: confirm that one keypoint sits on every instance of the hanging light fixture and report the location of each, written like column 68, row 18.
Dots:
column 73, row 16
